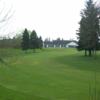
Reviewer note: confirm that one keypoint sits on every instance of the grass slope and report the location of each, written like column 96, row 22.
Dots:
column 53, row 74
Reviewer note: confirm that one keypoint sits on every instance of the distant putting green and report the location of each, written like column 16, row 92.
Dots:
column 50, row 74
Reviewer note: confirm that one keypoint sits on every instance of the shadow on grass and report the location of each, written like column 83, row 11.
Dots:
column 3, row 61
column 80, row 62
column 10, row 94
column 6, row 63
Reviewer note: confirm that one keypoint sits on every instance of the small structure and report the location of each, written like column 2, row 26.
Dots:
column 72, row 44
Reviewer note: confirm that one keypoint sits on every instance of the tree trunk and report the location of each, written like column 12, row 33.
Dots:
column 90, row 53
column 85, row 52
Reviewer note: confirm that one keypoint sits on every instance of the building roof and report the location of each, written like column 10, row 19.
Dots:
column 72, row 44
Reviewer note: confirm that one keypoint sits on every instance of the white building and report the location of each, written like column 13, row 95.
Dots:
column 72, row 44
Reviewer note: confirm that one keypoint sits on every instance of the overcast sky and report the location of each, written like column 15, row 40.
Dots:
column 50, row 18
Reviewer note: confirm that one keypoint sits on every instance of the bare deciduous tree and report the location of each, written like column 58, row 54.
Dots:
column 6, row 12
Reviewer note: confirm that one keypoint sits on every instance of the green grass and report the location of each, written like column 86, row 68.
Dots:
column 50, row 74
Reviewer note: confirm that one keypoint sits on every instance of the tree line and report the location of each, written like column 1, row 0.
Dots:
column 25, row 40
column 8, row 42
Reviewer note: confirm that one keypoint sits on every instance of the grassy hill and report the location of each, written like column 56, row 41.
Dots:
column 51, row 74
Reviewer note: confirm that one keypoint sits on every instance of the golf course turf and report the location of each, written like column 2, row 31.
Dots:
column 49, row 74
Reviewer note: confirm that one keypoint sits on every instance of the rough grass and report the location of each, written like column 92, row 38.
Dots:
column 50, row 74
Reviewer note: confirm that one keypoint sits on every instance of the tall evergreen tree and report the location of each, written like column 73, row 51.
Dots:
column 25, row 40
column 33, row 40
column 89, row 28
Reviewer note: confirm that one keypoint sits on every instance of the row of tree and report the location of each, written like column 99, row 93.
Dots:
column 89, row 31
column 31, row 40
column 25, row 40
column 8, row 42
